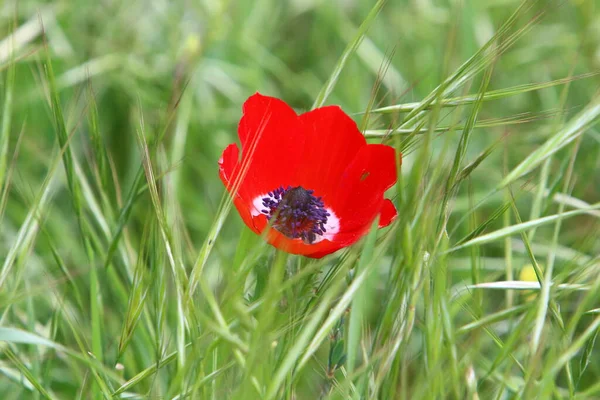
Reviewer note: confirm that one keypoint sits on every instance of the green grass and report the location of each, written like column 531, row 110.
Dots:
column 125, row 272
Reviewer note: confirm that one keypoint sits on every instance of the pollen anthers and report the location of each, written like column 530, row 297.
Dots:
column 297, row 213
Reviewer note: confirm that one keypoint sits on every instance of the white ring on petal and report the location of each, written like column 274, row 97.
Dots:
column 332, row 227
column 258, row 205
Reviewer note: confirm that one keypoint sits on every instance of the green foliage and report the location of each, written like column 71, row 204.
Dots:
column 125, row 271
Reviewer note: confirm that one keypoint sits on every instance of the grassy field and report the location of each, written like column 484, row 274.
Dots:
column 125, row 272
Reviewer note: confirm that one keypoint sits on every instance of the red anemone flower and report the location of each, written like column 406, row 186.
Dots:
column 312, row 178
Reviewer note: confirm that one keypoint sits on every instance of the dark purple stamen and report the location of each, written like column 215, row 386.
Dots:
column 297, row 213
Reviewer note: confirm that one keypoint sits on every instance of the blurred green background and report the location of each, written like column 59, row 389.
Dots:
column 179, row 72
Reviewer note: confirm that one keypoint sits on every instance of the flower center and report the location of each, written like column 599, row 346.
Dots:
column 296, row 213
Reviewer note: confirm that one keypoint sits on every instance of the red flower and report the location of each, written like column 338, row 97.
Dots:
column 313, row 177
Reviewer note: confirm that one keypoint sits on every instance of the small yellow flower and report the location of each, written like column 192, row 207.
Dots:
column 527, row 274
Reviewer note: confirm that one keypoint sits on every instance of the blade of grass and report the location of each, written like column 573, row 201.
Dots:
column 488, row 96
column 482, row 123
column 521, row 227
column 7, row 115
column 574, row 128
column 27, row 373
column 76, row 197
column 30, row 225
column 290, row 361
column 177, row 268
column 361, row 301
column 348, row 52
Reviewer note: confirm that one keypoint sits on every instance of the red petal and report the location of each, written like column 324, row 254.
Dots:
column 243, row 203
column 245, row 210
column 388, row 213
column 331, row 141
column 359, row 195
column 271, row 142
column 259, row 110
column 228, row 163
